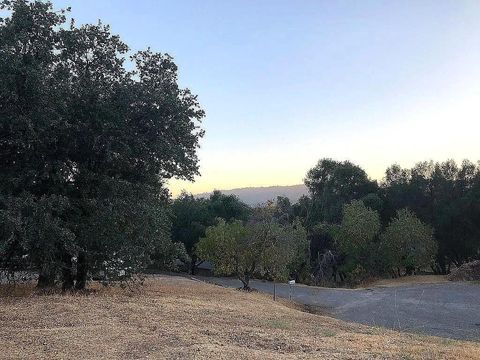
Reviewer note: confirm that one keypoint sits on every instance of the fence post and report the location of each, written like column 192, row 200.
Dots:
column 290, row 286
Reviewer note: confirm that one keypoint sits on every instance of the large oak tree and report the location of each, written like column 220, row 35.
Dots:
column 86, row 146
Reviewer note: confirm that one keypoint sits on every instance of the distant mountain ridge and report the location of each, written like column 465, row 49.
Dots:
column 257, row 195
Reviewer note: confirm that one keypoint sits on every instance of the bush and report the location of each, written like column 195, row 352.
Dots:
column 467, row 272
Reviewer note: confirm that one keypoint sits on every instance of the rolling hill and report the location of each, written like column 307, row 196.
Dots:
column 257, row 195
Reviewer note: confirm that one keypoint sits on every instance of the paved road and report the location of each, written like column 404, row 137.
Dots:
column 449, row 310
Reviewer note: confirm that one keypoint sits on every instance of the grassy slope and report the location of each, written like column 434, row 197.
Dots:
column 172, row 317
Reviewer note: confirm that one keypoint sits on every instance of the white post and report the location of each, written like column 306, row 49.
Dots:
column 290, row 286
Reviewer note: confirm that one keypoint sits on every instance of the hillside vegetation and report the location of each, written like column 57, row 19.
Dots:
column 177, row 318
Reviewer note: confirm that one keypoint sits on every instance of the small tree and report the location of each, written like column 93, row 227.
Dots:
column 408, row 243
column 356, row 235
column 222, row 246
column 262, row 246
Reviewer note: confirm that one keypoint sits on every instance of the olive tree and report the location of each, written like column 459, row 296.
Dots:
column 261, row 246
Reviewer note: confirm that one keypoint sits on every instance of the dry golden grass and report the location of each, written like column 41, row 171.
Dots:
column 177, row 318
column 411, row 280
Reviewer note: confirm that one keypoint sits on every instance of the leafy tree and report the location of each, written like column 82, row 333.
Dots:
column 324, row 259
column 308, row 211
column 222, row 245
column 321, row 238
column 357, row 233
column 408, row 243
column 284, row 212
column 373, row 201
column 291, row 254
column 332, row 184
column 227, row 207
column 86, row 146
column 395, row 190
column 191, row 217
column 262, row 246
column 442, row 195
column 165, row 256
column 454, row 213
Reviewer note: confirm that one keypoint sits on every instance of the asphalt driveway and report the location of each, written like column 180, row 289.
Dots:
column 449, row 310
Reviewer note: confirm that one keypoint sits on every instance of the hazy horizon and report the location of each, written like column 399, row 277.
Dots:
column 379, row 178
column 286, row 83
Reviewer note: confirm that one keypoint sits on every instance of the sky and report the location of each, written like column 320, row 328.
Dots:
column 286, row 83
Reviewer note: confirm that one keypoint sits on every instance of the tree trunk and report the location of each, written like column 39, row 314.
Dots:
column 193, row 265
column 245, row 281
column 67, row 273
column 46, row 278
column 409, row 270
column 81, row 279
column 442, row 265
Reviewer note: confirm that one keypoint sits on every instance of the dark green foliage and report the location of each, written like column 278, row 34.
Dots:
column 86, row 147
column 165, row 257
column 405, row 246
column 356, row 237
column 408, row 244
column 332, row 183
column 308, row 211
column 445, row 196
column 321, row 238
column 373, row 201
column 191, row 216
column 227, row 207
column 284, row 212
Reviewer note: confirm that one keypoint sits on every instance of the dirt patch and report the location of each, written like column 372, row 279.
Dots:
column 176, row 318
column 467, row 272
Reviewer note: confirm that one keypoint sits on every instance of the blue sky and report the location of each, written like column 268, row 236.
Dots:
column 285, row 83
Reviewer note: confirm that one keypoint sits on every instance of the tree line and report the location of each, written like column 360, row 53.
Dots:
column 423, row 219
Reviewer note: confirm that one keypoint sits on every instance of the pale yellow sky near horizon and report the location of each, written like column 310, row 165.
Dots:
column 428, row 130
column 376, row 84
